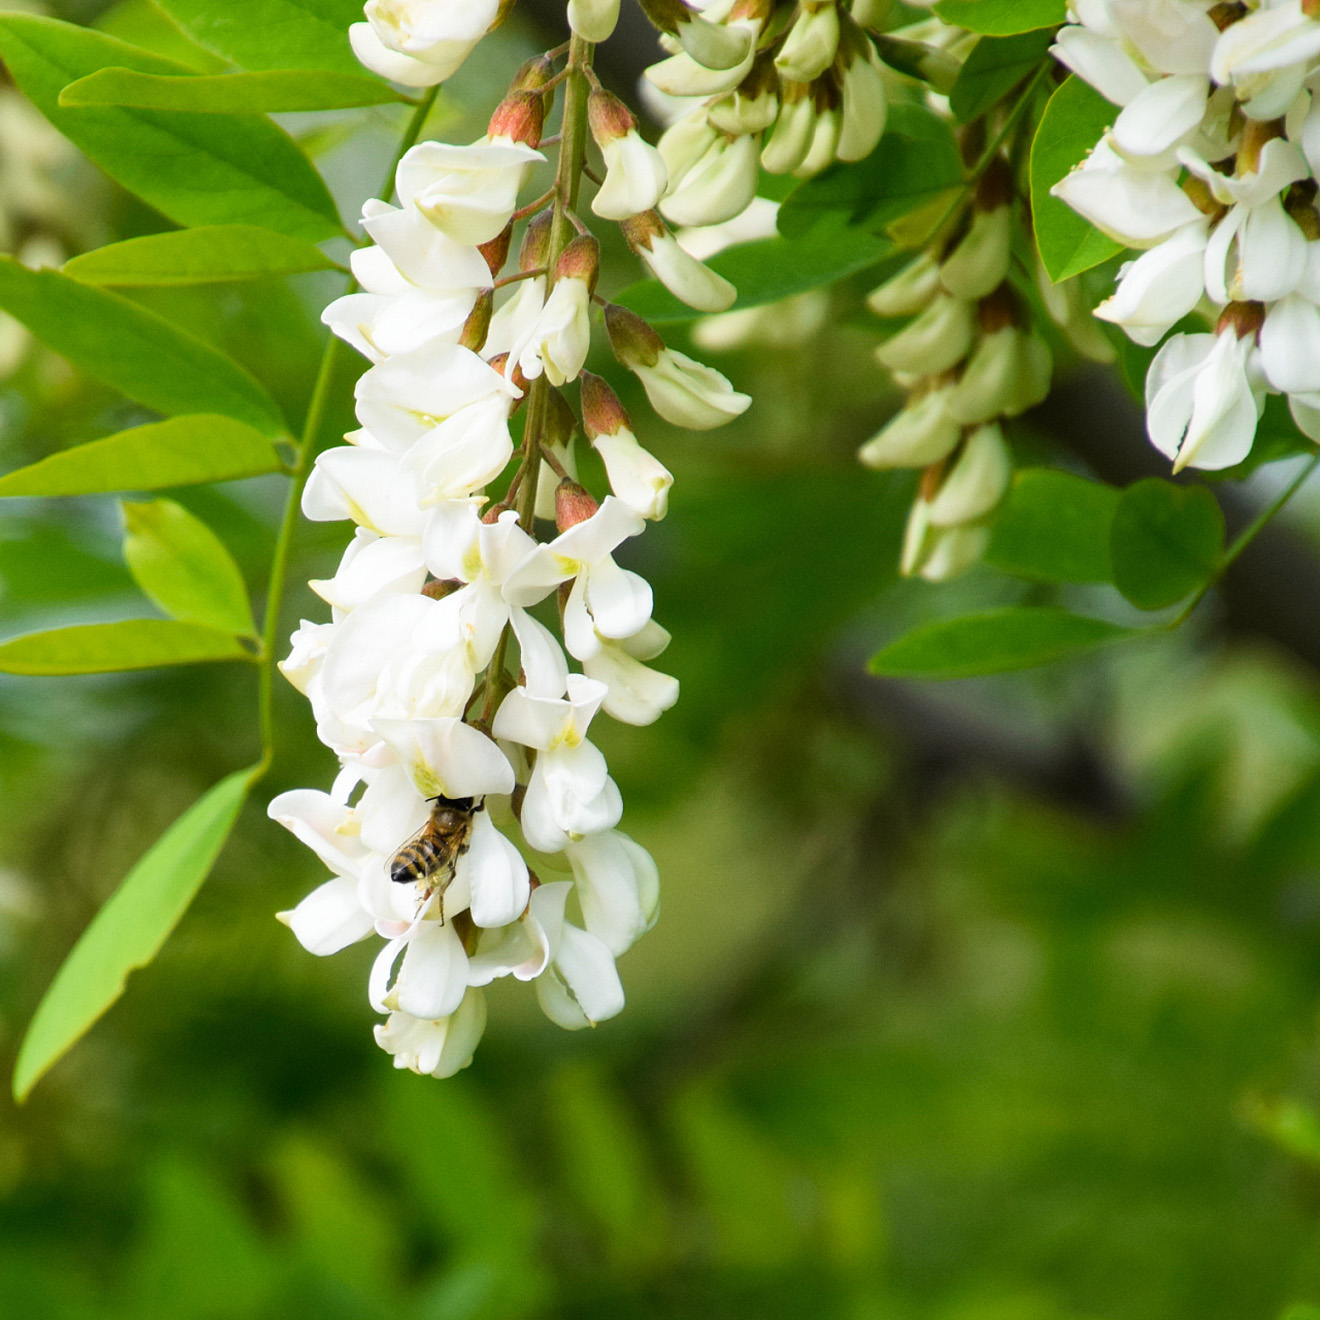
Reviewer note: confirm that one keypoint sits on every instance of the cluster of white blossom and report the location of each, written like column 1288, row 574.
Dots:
column 967, row 358
column 1210, row 168
column 410, row 682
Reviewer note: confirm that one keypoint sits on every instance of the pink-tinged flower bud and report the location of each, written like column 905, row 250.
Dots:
column 520, row 117
column 580, row 260
column 811, row 44
column 535, row 250
column 593, row 20
column 634, row 343
column 533, row 75
column 573, row 504
column 496, row 252
column 602, row 413
column 477, row 326
column 682, row 274
column 439, row 588
column 609, row 117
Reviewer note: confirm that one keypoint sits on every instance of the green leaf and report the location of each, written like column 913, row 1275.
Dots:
column 103, row 648
column 1165, row 541
column 995, row 66
column 184, row 451
column 1072, row 124
column 1301, row 1311
column 1014, row 638
column 133, row 350
column 767, row 271
column 272, row 34
column 1054, row 527
column 209, row 254
column 1001, row 18
column 231, row 93
column 916, row 161
column 129, row 930
column 184, row 567
column 196, row 169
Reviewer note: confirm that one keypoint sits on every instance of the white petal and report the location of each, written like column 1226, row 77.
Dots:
column 497, row 874
column 330, row 918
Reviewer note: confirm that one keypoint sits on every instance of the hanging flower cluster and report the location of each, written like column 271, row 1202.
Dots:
column 788, row 87
column 1210, row 168
column 967, row 358
column 462, row 764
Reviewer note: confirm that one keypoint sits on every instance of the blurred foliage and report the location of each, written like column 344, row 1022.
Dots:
column 988, row 1001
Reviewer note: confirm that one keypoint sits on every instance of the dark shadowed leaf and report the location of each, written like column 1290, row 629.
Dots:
column 196, row 169
column 103, row 648
column 1072, row 124
column 184, row 451
column 133, row 350
column 1165, row 541
column 995, row 66
column 1054, row 527
column 230, row 93
column 990, row 643
column 129, row 930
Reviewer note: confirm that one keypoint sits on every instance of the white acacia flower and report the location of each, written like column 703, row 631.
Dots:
column 1290, row 345
column 420, row 42
column 1159, row 119
column 558, row 341
column 570, row 792
column 635, row 177
column 307, row 649
column 635, row 475
column 580, row 986
column 638, row 694
column 435, row 1049
column 718, row 186
column 1204, row 396
column 689, row 280
column 618, row 888
column 1271, row 40
column 1160, row 287
column 681, row 75
column 373, row 564
column 1101, row 61
column 689, row 393
column 605, row 600
column 468, row 193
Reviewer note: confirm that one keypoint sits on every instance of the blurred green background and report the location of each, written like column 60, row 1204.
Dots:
column 991, row 1001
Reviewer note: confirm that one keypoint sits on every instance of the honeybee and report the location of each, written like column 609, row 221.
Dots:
column 432, row 853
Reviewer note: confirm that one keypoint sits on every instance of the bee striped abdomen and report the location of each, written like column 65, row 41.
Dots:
column 416, row 861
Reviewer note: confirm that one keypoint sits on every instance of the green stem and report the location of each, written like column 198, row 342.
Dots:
column 299, row 471
column 1244, row 538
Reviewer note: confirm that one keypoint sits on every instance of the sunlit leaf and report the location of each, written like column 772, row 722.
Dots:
column 1054, row 527
column 768, row 270
column 1165, row 541
column 1002, row 17
column 133, row 350
column 990, row 643
column 196, row 169
column 1072, row 124
column 129, row 930
column 272, row 34
column 230, row 93
column 184, row 451
column 995, row 66
column 102, row 648
column 184, row 567
column 916, row 161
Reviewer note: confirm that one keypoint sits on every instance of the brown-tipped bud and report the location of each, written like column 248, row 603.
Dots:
column 560, row 420
column 610, row 119
column 634, row 343
column 477, row 326
column 580, row 260
column 535, row 250
column 500, row 363
column 932, row 479
column 439, row 588
column 643, row 229
column 492, row 515
column 533, row 75
column 573, row 504
column 1224, row 16
column 1198, row 192
column 602, row 413
column 667, row 15
column 1311, row 8
column 998, row 310
column 1243, row 318
column 496, row 252
column 521, row 117
column 995, row 187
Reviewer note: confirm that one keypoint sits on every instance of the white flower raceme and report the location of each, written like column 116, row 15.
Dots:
column 421, row 42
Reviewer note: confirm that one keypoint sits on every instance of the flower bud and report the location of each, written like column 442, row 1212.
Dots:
column 824, row 140
column 520, row 117
column 684, row 143
column 718, row 187
column 811, row 45
column 439, row 588
column 940, row 553
column 690, row 394
column 922, row 433
column 533, row 75
column 477, row 326
column 535, row 250
column 712, row 45
column 635, row 172
column 976, row 481
column 573, row 504
column 865, row 109
column 496, row 251
column 1008, row 373
column 602, row 412
column 752, row 106
column 938, row 339
column 979, row 263
column 682, row 274
column 793, row 133
column 908, row 292
column 580, row 260
column 634, row 343
column 593, row 20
